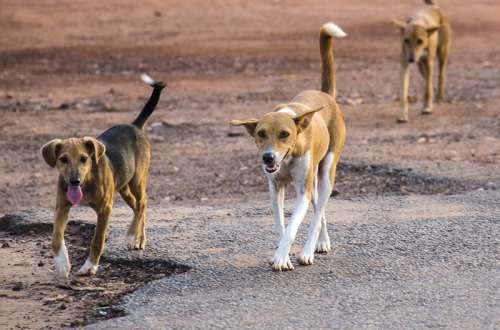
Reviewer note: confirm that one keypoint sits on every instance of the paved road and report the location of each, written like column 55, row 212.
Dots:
column 398, row 262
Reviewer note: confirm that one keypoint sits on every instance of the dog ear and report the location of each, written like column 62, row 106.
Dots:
column 50, row 151
column 304, row 119
column 399, row 24
column 95, row 148
column 433, row 29
column 250, row 124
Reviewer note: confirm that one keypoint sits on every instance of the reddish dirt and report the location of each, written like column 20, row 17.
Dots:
column 71, row 69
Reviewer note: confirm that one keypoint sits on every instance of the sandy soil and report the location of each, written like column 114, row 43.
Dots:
column 71, row 69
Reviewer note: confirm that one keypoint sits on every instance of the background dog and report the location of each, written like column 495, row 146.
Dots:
column 425, row 35
column 91, row 170
column 300, row 143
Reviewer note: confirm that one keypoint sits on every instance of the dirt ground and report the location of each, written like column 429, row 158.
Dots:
column 71, row 68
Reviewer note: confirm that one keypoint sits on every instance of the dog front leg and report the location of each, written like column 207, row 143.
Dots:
column 61, row 259
column 403, row 97
column 428, row 85
column 277, row 193
column 281, row 260
column 97, row 246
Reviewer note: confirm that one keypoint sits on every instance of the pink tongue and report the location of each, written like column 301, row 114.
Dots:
column 74, row 194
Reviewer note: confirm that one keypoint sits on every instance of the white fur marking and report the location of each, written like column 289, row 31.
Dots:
column 288, row 111
column 281, row 260
column 333, row 30
column 88, row 268
column 147, row 79
column 61, row 261
column 306, row 257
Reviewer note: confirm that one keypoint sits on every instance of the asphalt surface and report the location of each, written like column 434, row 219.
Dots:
column 413, row 262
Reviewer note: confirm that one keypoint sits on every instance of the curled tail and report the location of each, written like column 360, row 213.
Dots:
column 327, row 33
column 150, row 105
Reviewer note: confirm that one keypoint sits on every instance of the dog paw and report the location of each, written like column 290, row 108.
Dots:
column 306, row 259
column 427, row 111
column 62, row 263
column 136, row 243
column 87, row 269
column 323, row 246
column 402, row 120
column 281, row 263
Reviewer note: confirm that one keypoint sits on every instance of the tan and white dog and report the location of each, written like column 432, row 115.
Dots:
column 300, row 143
column 425, row 36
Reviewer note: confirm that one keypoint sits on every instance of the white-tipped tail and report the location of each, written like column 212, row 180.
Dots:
column 333, row 30
column 147, row 79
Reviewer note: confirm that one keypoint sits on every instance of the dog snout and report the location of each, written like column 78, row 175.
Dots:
column 74, row 181
column 268, row 158
column 411, row 59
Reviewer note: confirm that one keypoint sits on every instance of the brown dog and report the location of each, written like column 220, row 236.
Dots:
column 91, row 170
column 425, row 35
column 301, row 142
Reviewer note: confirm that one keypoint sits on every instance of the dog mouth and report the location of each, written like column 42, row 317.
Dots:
column 74, row 194
column 272, row 168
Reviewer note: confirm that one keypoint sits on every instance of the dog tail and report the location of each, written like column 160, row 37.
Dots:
column 430, row 2
column 150, row 105
column 328, row 32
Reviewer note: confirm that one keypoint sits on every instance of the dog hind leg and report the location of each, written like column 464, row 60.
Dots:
column 137, row 230
column 325, row 187
column 442, row 53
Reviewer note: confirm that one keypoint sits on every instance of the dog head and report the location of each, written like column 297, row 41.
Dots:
column 415, row 39
column 74, row 159
column 276, row 133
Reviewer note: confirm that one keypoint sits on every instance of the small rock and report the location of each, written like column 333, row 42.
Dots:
column 5, row 245
column 63, row 106
column 40, row 264
column 102, row 312
column 18, row 286
column 422, row 139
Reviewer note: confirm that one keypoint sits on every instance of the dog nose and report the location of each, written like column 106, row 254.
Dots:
column 74, row 181
column 268, row 158
column 411, row 59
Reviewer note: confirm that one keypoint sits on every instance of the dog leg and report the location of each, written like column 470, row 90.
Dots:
column 324, row 191
column 429, row 93
column 443, row 61
column 323, row 245
column 278, row 202
column 303, row 179
column 403, row 97
column 281, row 260
column 136, row 235
column 131, row 201
column 97, row 245
column 59, row 250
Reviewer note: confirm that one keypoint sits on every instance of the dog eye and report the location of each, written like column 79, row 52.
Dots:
column 63, row 160
column 420, row 41
column 83, row 159
column 261, row 134
column 407, row 41
column 284, row 134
